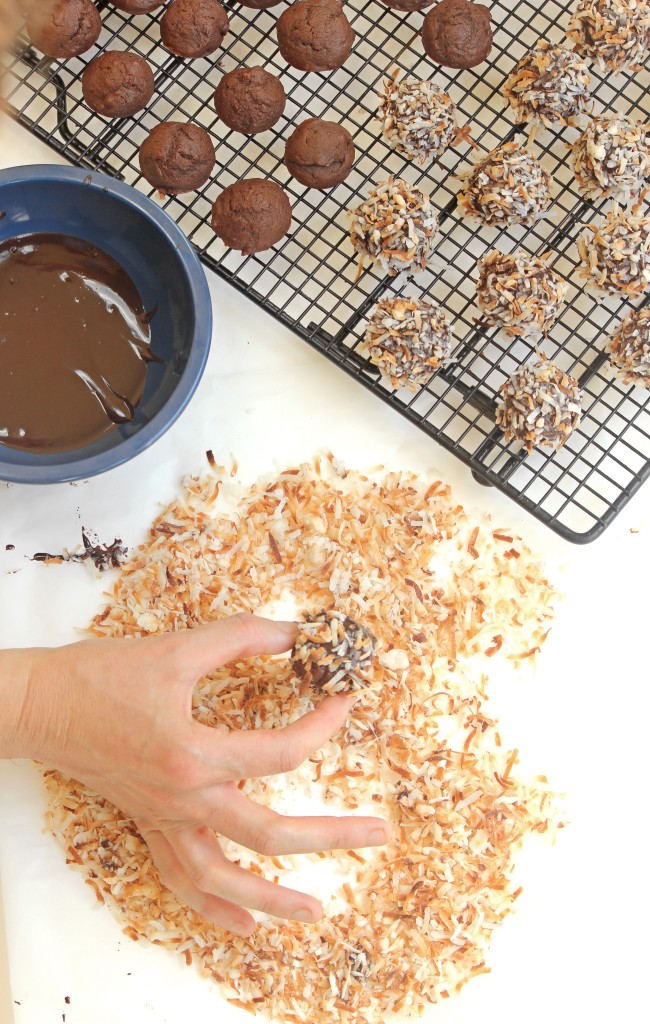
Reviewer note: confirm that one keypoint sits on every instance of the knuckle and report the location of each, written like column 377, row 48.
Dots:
column 180, row 770
column 268, row 839
column 205, row 879
column 292, row 755
column 245, row 624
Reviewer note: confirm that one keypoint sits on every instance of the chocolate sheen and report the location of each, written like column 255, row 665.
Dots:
column 74, row 343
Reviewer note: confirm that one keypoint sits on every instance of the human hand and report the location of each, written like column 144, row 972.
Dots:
column 117, row 716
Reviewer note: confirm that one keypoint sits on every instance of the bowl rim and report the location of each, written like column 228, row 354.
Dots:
column 40, row 473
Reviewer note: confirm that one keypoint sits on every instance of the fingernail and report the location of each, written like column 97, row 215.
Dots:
column 378, row 837
column 243, row 930
column 287, row 627
column 304, row 914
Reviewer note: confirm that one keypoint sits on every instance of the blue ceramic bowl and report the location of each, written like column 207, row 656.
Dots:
column 167, row 273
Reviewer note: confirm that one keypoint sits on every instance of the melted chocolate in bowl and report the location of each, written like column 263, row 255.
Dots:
column 74, row 343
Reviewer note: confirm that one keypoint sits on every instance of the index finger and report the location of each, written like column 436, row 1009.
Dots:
column 251, row 754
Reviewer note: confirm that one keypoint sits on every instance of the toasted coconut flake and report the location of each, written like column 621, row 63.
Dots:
column 408, row 340
column 507, row 186
column 549, row 86
column 416, row 922
column 629, row 349
column 540, row 405
column 333, row 653
column 519, row 293
column 611, row 158
column 616, row 254
column 395, row 226
column 614, row 33
column 418, row 119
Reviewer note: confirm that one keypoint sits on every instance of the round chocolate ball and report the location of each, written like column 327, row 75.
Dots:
column 315, row 35
column 250, row 100
column 117, row 84
column 137, row 6
column 177, row 157
column 320, row 153
column 193, row 28
column 259, row 5
column 251, row 215
column 63, row 28
column 539, row 405
column 457, row 33
column 333, row 653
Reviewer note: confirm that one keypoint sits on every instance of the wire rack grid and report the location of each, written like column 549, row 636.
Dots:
column 310, row 280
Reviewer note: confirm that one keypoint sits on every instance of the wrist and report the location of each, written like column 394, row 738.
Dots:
column 15, row 674
column 28, row 708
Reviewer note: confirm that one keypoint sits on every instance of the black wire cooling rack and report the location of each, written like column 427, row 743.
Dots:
column 309, row 281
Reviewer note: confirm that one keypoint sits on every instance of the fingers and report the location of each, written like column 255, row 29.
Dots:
column 232, row 638
column 263, row 830
column 199, row 852
column 177, row 878
column 248, row 755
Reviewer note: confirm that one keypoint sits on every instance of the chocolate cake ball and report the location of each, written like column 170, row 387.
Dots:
column 250, row 100
column 408, row 340
column 193, row 28
column 549, row 86
column 251, row 215
column 395, row 226
column 508, row 186
column 315, row 35
column 457, row 33
column 629, row 349
column 320, row 153
column 177, row 157
column 419, row 120
column 63, row 28
column 333, row 653
column 539, row 405
column 616, row 254
column 137, row 6
column 408, row 5
column 519, row 293
column 259, row 5
column 611, row 159
column 117, row 84
column 613, row 33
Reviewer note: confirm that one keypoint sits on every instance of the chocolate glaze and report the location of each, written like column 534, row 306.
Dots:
column 74, row 343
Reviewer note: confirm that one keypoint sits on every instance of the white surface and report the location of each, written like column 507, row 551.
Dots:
column 576, row 949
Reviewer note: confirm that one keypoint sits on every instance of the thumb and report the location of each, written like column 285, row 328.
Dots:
column 233, row 638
